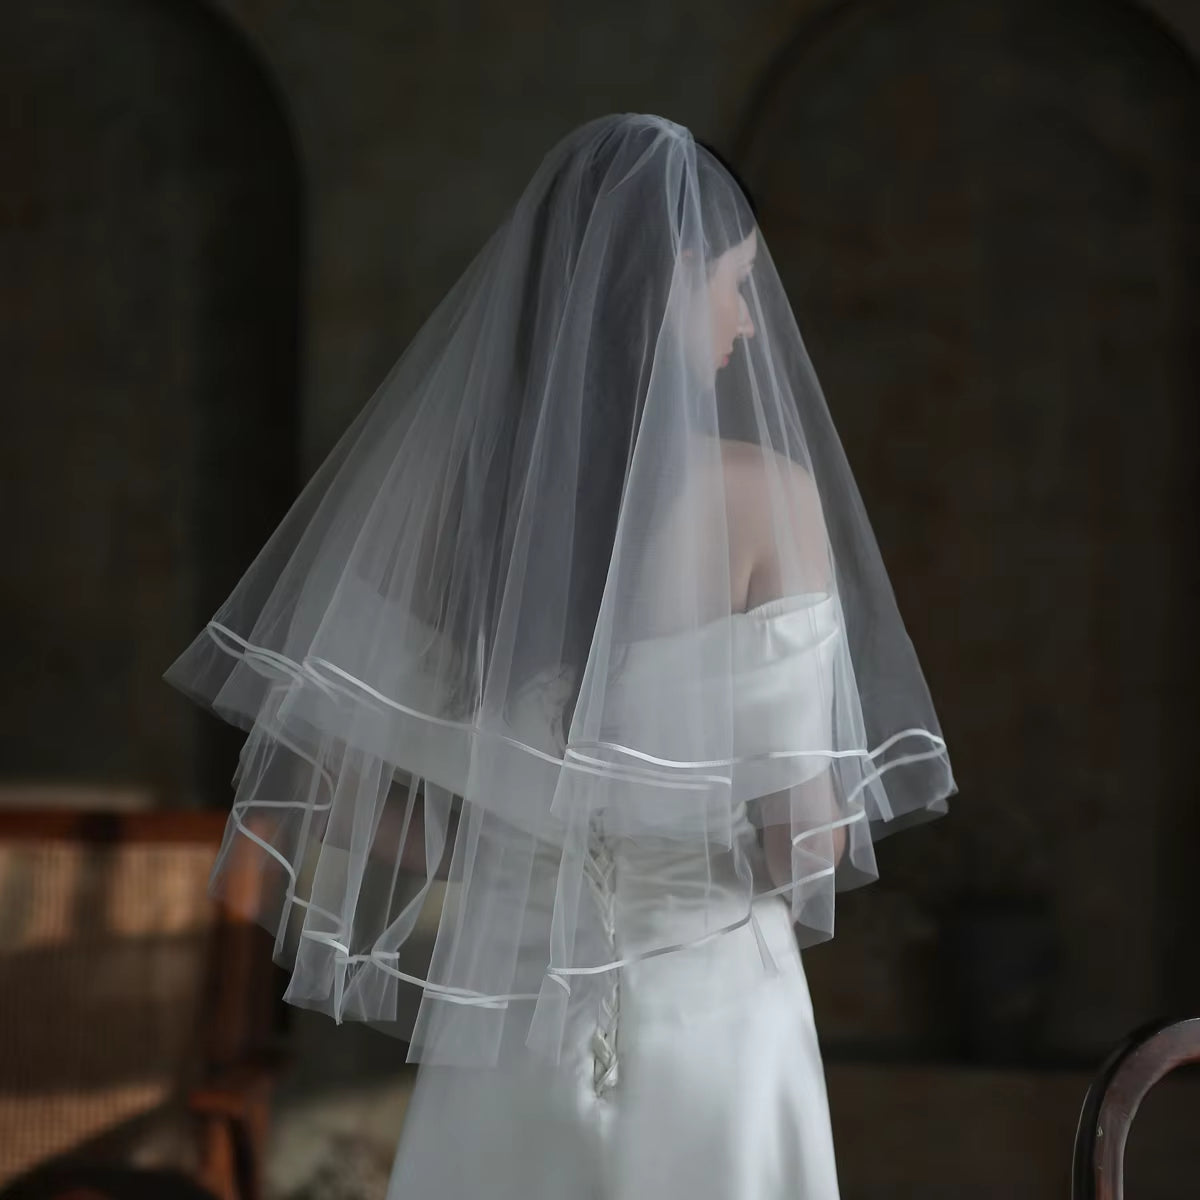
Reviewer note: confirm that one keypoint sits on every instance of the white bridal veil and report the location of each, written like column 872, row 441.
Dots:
column 499, row 642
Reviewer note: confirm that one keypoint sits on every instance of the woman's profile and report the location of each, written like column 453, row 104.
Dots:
column 579, row 645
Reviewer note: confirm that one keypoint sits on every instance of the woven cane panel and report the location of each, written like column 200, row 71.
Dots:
column 102, row 971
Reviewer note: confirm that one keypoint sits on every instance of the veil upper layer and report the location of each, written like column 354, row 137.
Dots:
column 502, row 636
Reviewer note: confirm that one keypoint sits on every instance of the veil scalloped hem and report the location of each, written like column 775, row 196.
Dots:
column 450, row 745
column 387, row 988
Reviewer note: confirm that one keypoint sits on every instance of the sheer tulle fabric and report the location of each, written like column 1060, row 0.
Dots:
column 498, row 638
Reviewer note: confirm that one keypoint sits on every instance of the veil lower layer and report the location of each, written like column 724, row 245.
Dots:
column 504, row 690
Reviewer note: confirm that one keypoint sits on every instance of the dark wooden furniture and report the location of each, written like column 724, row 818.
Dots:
column 1112, row 1102
column 127, row 994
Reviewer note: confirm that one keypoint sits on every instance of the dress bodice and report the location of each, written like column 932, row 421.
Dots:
column 753, row 691
column 770, row 671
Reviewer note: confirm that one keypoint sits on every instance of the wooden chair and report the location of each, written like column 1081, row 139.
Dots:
column 1112, row 1102
column 128, row 997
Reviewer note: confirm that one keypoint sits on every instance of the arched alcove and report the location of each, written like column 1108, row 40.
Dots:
column 151, row 293
column 985, row 216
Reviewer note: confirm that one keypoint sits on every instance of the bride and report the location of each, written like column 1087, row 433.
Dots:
column 579, row 651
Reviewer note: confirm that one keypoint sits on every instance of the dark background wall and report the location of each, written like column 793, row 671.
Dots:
column 228, row 220
column 987, row 218
column 151, row 296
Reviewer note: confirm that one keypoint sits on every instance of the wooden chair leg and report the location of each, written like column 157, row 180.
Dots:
column 234, row 1112
column 218, row 1158
column 258, row 1122
column 232, row 1151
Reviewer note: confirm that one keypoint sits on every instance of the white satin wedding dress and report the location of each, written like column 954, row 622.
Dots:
column 668, row 1089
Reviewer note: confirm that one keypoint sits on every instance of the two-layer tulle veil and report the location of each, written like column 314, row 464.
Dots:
column 500, row 637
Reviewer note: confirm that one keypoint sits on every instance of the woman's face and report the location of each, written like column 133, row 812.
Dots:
column 729, row 313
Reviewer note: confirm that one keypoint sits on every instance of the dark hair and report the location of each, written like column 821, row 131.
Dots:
column 731, row 171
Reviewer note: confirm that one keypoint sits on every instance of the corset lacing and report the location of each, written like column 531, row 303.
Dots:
column 600, row 872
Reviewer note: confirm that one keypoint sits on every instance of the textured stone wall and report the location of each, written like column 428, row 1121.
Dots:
column 151, row 304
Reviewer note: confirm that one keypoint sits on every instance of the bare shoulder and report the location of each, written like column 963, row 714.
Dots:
column 752, row 472
column 775, row 521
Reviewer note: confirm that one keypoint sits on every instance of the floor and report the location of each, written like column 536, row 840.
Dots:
column 935, row 1131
